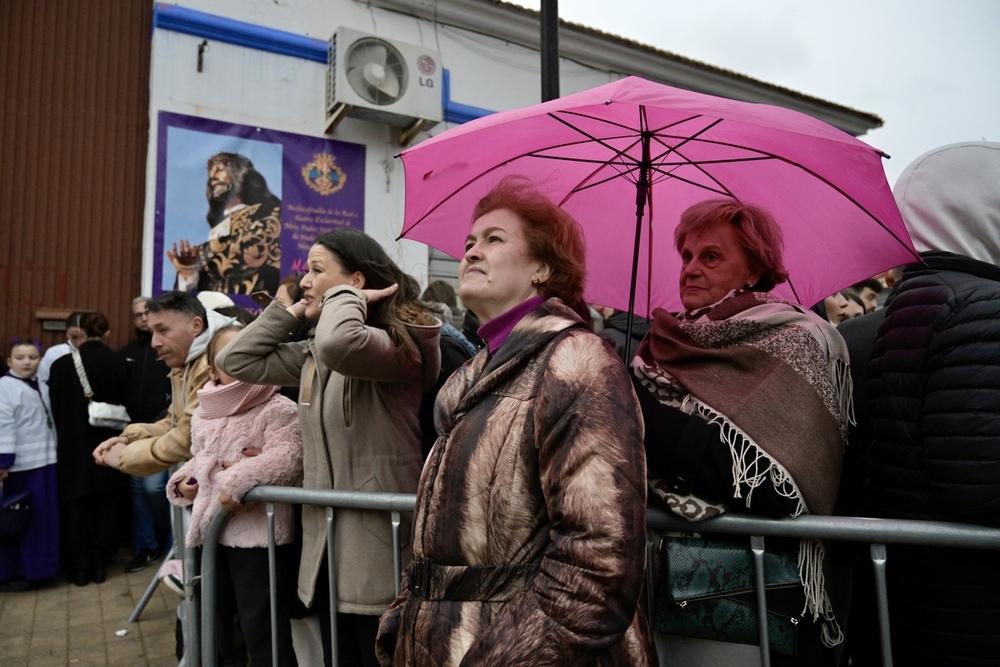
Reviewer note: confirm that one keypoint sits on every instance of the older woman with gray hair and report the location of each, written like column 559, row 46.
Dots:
column 746, row 399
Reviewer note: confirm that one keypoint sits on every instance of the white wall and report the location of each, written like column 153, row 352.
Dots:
column 251, row 87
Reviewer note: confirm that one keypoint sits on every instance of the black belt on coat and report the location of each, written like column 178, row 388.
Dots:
column 485, row 583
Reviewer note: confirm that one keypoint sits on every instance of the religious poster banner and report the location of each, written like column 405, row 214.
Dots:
column 238, row 207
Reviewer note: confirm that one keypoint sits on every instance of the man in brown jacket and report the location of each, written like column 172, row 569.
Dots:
column 181, row 330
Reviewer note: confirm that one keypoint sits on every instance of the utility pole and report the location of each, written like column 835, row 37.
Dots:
column 550, row 50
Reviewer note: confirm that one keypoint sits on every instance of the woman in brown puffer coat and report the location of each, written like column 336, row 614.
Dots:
column 529, row 532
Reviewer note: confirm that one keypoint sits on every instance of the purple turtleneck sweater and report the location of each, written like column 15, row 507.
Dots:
column 495, row 331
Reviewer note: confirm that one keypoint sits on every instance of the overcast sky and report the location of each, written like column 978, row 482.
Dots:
column 929, row 68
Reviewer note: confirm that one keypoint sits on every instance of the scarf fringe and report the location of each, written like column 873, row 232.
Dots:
column 812, row 554
column 843, row 387
column 751, row 468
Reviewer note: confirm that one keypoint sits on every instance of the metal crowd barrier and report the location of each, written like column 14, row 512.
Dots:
column 396, row 503
column 876, row 532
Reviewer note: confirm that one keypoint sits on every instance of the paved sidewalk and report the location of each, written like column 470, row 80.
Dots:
column 63, row 624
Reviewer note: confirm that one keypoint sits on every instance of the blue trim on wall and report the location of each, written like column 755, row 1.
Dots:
column 271, row 40
column 455, row 112
column 231, row 31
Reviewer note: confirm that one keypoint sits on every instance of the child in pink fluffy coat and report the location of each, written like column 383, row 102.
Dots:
column 242, row 436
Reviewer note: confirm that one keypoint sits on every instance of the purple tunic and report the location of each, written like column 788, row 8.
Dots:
column 34, row 554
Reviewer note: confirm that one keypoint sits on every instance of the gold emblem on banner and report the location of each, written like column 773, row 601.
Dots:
column 324, row 175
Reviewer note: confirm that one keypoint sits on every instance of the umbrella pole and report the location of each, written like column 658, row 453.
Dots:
column 641, row 192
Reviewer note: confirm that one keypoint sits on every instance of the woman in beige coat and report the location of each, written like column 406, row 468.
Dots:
column 361, row 376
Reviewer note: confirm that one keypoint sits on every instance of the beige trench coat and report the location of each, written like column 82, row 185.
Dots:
column 359, row 427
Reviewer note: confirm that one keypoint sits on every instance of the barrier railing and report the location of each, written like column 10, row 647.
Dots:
column 395, row 503
column 876, row 532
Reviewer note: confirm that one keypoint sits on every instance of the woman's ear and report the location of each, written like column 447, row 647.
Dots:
column 358, row 280
column 542, row 274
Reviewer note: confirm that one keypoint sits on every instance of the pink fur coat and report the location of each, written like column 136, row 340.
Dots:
column 230, row 419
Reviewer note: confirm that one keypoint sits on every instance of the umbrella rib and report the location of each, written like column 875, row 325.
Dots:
column 593, row 139
column 721, row 189
column 764, row 155
column 535, row 154
column 761, row 155
column 612, row 123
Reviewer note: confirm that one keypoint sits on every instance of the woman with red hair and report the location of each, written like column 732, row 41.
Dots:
column 529, row 530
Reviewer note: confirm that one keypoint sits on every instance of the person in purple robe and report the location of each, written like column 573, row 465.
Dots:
column 28, row 463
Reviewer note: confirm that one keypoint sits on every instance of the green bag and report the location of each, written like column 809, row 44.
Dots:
column 706, row 590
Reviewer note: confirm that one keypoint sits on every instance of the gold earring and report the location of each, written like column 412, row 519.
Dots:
column 535, row 281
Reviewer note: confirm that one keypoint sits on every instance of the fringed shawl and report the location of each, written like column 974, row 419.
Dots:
column 776, row 380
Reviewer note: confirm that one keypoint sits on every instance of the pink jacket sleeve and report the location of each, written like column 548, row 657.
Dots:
column 280, row 460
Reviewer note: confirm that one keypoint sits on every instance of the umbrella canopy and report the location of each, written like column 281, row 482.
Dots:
column 628, row 157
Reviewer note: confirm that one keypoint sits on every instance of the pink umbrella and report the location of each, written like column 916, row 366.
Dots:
column 663, row 149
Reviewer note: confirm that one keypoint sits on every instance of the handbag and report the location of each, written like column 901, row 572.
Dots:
column 15, row 511
column 706, row 590
column 101, row 415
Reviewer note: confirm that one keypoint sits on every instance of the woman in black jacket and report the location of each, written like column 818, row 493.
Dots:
column 89, row 494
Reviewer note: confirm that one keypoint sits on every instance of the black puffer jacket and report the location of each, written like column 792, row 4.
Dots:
column 934, row 387
column 934, row 398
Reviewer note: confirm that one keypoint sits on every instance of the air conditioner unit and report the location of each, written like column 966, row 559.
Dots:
column 384, row 81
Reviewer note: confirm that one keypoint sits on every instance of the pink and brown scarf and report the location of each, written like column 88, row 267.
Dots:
column 776, row 380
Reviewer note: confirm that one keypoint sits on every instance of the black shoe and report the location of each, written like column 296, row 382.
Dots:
column 142, row 560
column 17, row 585
column 80, row 579
column 100, row 575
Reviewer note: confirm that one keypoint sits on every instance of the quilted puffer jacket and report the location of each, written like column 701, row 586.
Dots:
column 934, row 399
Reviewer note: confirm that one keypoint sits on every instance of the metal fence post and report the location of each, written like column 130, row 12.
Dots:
column 879, row 558
column 331, row 570
column 757, row 550
column 272, row 580
column 209, row 573
column 397, row 548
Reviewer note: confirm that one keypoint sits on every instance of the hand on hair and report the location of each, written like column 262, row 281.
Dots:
column 373, row 295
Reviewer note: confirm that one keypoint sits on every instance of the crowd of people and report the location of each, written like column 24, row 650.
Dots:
column 527, row 545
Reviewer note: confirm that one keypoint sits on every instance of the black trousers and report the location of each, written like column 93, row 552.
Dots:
column 90, row 522
column 242, row 589
column 355, row 632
